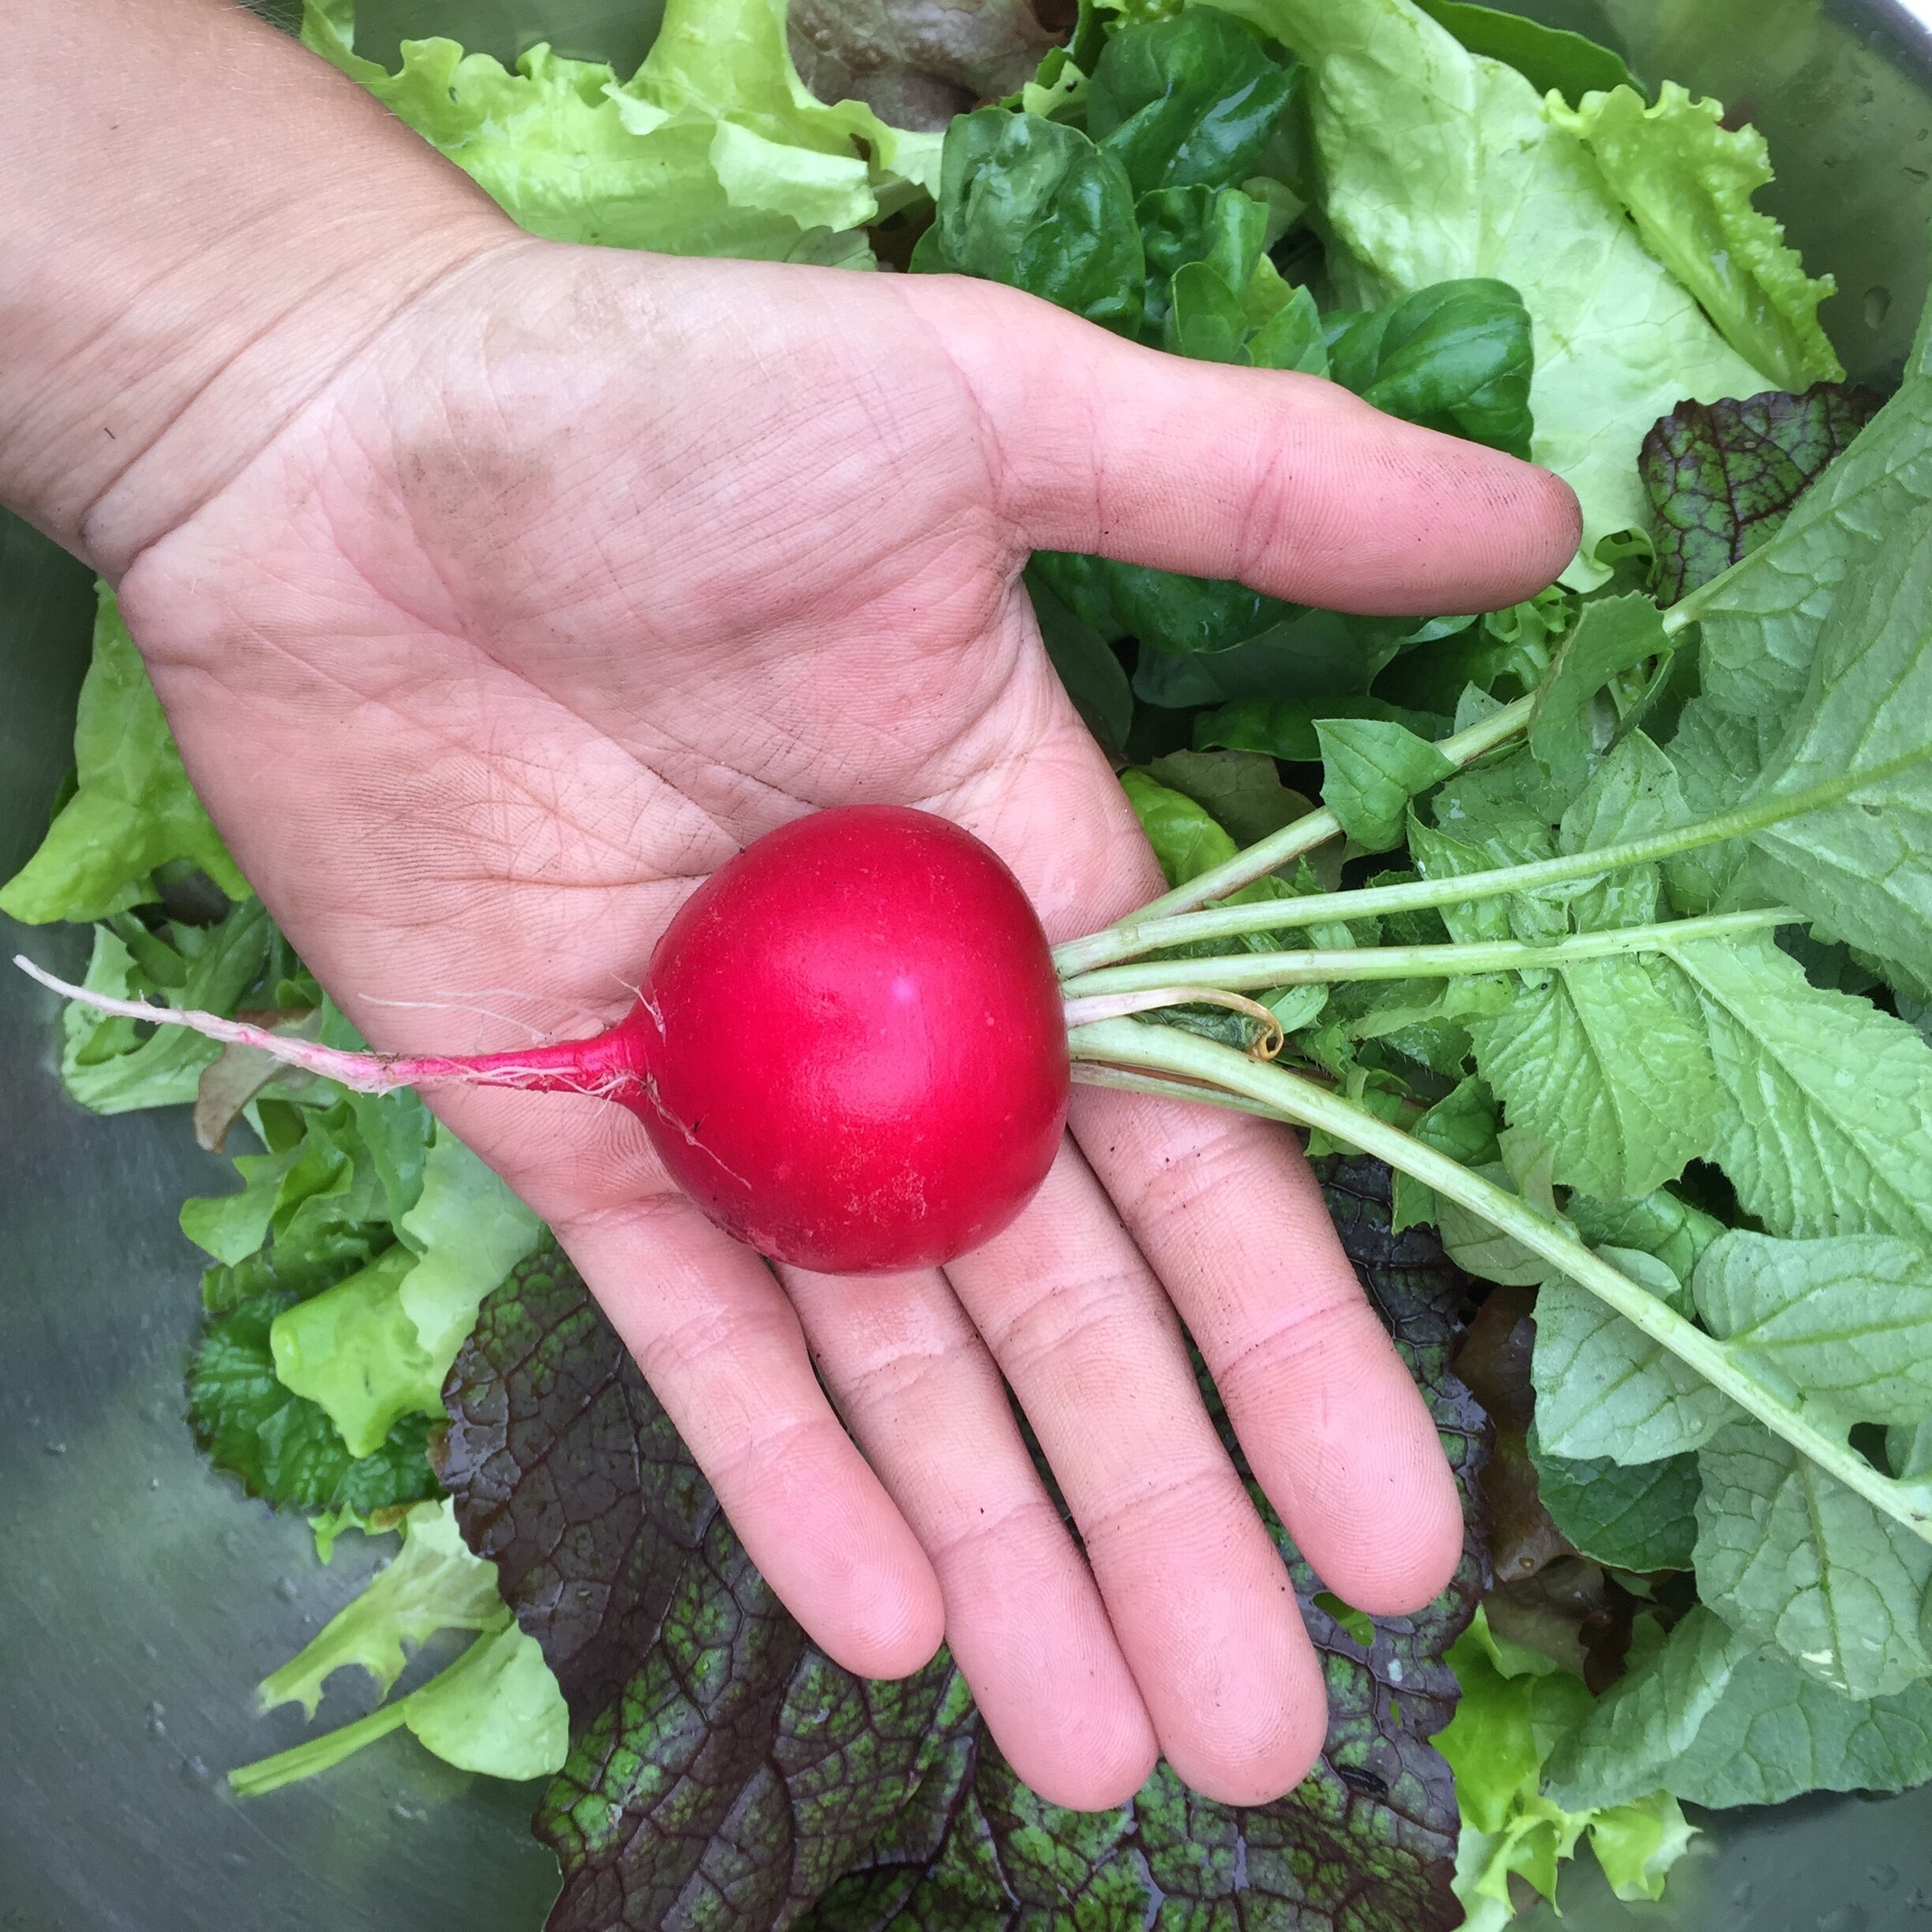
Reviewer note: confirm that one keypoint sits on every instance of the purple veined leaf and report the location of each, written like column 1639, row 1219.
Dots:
column 1722, row 476
column 723, row 1773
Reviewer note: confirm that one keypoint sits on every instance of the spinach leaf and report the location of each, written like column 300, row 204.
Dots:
column 1454, row 357
column 1190, row 101
column 1034, row 203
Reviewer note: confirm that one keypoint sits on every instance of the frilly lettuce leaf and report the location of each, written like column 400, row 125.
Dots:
column 376, row 1347
column 1438, row 164
column 714, row 146
column 132, row 809
column 1687, row 181
column 1516, row 1706
column 496, row 1709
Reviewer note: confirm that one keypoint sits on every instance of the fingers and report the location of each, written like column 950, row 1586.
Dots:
column 1197, row 1594
column 1332, row 1425
column 722, row 1350
column 1023, row 1617
column 1285, row 482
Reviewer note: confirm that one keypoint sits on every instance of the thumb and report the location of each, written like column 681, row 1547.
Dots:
column 1285, row 482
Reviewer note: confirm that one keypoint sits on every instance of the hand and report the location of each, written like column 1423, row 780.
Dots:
column 589, row 569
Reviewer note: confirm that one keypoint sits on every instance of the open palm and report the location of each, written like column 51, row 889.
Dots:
column 587, row 569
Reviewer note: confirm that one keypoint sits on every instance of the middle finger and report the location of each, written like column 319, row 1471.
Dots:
column 1197, row 1592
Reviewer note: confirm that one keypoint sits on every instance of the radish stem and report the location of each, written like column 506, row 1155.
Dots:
column 1167, row 1050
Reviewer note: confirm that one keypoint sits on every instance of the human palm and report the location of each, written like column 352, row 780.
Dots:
column 587, row 569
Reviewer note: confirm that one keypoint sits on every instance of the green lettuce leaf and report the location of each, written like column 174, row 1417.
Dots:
column 1722, row 476
column 1516, row 1706
column 1687, row 181
column 133, row 810
column 377, row 1346
column 1439, row 165
column 105, row 1065
column 496, row 1709
column 1717, row 1723
column 284, row 1448
column 433, row 1583
column 714, row 146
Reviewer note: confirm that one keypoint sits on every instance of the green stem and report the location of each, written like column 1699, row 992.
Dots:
column 1147, row 935
column 1317, row 828
column 1318, row 966
column 1127, row 1043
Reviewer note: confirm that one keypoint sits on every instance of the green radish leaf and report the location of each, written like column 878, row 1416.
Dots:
column 1789, row 1557
column 1660, row 1224
column 1604, row 1390
column 1454, row 357
column 1634, row 792
column 1717, row 756
column 1609, row 1065
column 1718, row 1725
column 1688, row 182
column 1910, row 1452
column 1371, row 768
column 1759, row 623
column 1722, row 476
column 1862, row 868
column 1190, row 101
column 1612, row 636
column 1639, row 1516
column 1847, row 1320
column 1546, row 57
column 1826, row 1121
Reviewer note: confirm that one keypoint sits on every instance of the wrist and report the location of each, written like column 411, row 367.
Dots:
column 177, row 285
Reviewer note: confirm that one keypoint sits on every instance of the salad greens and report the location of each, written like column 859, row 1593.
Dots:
column 1611, row 936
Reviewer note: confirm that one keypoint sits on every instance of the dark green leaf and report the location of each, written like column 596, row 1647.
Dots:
column 1165, row 610
column 1221, row 230
column 1722, row 476
column 1454, row 357
column 1546, row 57
column 1316, row 654
column 282, row 1446
column 1034, row 203
column 1632, row 1516
column 1284, row 727
column 1186, row 101
column 1092, row 675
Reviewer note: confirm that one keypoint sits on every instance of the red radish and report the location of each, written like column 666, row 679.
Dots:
column 849, row 1048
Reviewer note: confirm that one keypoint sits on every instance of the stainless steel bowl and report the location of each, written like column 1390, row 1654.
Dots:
column 140, row 1597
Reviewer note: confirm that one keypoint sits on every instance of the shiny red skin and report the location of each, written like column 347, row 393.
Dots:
column 851, row 1043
